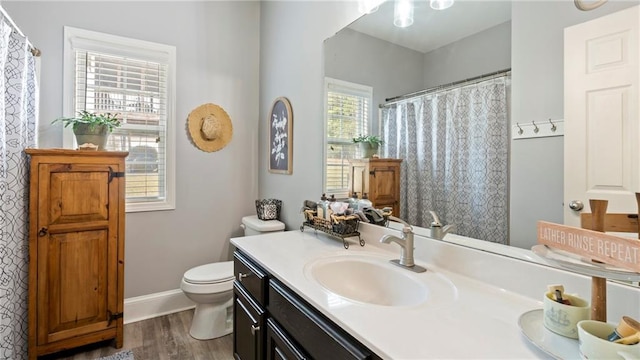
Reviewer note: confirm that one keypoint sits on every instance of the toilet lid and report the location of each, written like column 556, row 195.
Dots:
column 210, row 273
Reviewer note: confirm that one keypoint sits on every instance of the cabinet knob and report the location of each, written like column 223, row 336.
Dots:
column 242, row 276
column 254, row 329
column 43, row 232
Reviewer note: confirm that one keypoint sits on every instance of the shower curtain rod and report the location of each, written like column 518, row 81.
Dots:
column 34, row 50
column 469, row 81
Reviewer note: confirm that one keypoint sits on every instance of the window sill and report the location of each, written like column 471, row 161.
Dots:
column 149, row 206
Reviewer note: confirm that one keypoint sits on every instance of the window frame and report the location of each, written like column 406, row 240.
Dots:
column 355, row 89
column 75, row 38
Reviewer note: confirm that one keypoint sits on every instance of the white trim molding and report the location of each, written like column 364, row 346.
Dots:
column 153, row 305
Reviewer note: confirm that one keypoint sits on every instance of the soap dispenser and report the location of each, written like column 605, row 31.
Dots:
column 353, row 201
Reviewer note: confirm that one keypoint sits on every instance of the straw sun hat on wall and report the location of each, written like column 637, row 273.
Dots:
column 210, row 127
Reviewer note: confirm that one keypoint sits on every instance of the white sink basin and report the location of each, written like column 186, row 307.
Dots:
column 373, row 280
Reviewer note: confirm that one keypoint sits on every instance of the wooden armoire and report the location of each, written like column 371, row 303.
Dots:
column 379, row 179
column 76, row 248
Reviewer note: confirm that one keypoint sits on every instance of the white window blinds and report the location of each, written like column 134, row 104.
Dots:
column 133, row 79
column 136, row 90
column 348, row 110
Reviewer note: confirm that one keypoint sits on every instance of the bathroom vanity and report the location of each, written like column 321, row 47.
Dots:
column 467, row 305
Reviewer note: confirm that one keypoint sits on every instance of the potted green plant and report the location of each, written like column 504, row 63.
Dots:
column 91, row 127
column 369, row 144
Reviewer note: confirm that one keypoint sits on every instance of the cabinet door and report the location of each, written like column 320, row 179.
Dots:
column 248, row 326
column 384, row 183
column 77, row 250
column 317, row 335
column 279, row 345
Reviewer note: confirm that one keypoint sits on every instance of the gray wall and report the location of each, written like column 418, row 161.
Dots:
column 478, row 54
column 217, row 61
column 537, row 164
column 390, row 69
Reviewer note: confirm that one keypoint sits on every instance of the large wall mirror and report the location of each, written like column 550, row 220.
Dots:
column 465, row 41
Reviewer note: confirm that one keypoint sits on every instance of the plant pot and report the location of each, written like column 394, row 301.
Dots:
column 94, row 134
column 367, row 149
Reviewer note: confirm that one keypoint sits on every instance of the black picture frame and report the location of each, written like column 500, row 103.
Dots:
column 281, row 137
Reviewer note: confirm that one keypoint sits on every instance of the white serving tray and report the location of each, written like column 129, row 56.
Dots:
column 557, row 346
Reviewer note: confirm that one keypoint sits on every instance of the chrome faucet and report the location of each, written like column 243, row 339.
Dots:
column 406, row 246
column 437, row 230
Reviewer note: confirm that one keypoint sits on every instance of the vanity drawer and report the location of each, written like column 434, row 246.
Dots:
column 251, row 276
column 316, row 334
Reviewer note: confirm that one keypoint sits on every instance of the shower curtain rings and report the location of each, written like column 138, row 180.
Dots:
column 520, row 131
column 553, row 126
column 535, row 127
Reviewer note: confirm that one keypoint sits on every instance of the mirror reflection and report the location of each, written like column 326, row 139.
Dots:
column 441, row 96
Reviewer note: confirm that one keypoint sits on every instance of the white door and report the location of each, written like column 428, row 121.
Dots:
column 601, row 151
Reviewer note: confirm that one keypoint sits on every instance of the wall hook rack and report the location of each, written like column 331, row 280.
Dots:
column 533, row 130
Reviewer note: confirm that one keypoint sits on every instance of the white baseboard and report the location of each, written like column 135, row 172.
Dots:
column 149, row 306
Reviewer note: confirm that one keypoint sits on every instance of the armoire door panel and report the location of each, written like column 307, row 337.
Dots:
column 78, row 197
column 76, row 282
column 384, row 184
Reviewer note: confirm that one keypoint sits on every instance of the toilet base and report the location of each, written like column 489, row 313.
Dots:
column 212, row 321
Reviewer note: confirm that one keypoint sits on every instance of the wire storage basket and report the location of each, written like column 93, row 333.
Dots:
column 268, row 209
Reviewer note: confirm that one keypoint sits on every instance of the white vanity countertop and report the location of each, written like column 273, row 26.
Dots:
column 475, row 320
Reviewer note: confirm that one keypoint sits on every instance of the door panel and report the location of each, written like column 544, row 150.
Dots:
column 78, row 196
column 383, row 184
column 602, row 158
column 75, row 284
column 248, row 326
column 77, row 251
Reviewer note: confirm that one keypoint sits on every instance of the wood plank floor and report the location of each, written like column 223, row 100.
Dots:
column 162, row 338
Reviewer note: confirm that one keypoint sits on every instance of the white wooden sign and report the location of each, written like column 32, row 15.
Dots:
column 619, row 251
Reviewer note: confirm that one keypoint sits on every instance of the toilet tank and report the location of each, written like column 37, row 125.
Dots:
column 254, row 226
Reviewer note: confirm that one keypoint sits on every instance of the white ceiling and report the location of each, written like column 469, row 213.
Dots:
column 432, row 29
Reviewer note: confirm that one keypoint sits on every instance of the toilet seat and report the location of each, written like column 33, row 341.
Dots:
column 213, row 273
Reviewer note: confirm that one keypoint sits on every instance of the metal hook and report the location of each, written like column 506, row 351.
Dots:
column 520, row 131
column 553, row 126
column 535, row 127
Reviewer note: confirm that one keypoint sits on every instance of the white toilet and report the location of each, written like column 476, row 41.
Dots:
column 210, row 286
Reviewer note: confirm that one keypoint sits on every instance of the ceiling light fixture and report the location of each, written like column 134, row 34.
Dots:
column 403, row 13
column 441, row 4
column 368, row 6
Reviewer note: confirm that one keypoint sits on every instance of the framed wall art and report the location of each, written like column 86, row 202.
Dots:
column 281, row 137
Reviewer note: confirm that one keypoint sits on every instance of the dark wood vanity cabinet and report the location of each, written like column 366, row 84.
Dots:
column 272, row 322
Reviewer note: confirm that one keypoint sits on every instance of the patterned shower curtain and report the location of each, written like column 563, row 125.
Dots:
column 18, row 113
column 455, row 148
